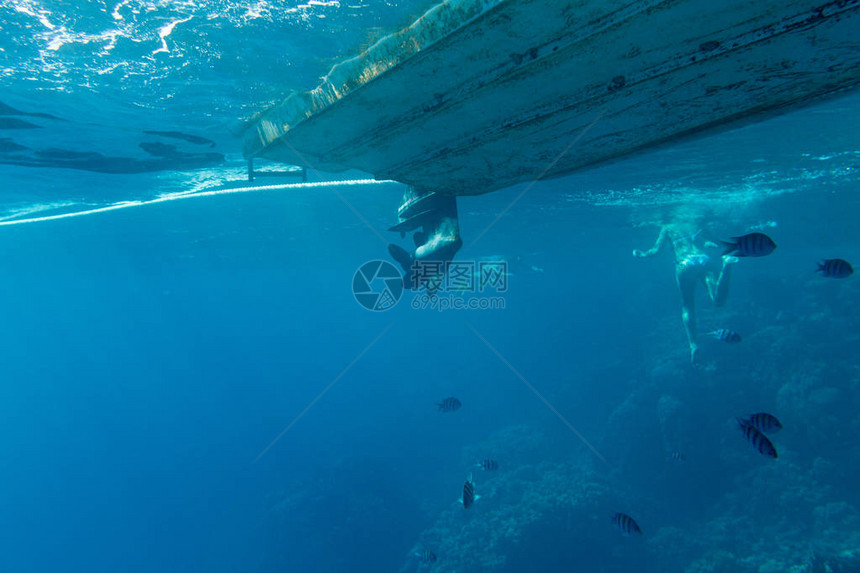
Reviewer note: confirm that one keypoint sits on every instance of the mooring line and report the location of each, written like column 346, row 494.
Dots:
column 212, row 193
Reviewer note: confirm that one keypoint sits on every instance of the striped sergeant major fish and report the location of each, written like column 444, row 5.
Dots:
column 750, row 245
column 677, row 457
column 469, row 495
column 764, row 422
column 426, row 556
column 449, row 404
column 488, row 465
column 835, row 268
column 758, row 440
column 726, row 335
column 626, row 524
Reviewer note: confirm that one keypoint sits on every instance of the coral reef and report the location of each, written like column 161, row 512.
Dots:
column 335, row 518
column 725, row 508
column 518, row 505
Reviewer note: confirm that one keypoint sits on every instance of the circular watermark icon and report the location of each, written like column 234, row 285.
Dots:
column 377, row 285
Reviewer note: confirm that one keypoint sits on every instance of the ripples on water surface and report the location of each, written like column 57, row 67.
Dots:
column 98, row 85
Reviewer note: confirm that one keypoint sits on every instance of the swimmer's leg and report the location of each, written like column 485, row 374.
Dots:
column 687, row 286
column 718, row 289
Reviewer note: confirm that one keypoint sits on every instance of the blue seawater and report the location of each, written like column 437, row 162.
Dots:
column 191, row 386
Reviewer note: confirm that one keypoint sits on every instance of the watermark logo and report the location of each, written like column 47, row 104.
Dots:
column 437, row 285
column 442, row 302
column 377, row 285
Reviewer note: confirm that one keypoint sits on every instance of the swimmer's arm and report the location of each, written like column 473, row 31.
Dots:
column 662, row 239
column 708, row 240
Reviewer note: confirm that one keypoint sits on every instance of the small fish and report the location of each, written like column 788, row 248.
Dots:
column 469, row 495
column 836, row 268
column 626, row 524
column 678, row 457
column 488, row 465
column 750, row 245
column 449, row 404
column 726, row 335
column 758, row 440
column 764, row 422
column 426, row 556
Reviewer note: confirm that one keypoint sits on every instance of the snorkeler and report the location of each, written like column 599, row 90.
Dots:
column 436, row 243
column 691, row 267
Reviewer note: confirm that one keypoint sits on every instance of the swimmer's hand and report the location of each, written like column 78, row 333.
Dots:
column 711, row 244
column 638, row 254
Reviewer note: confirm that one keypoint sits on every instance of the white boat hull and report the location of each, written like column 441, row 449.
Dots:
column 477, row 96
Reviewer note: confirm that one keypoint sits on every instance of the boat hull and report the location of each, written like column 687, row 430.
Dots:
column 477, row 96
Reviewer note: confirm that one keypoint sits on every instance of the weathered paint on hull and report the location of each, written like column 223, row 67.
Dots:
column 482, row 95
